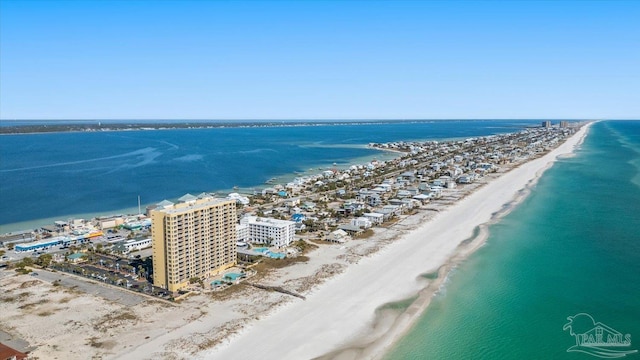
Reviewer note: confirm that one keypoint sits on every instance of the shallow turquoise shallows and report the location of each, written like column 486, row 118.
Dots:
column 573, row 246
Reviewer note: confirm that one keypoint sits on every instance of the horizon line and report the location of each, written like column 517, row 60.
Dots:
column 311, row 119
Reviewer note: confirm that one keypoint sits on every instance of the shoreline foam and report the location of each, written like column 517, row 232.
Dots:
column 404, row 321
column 341, row 312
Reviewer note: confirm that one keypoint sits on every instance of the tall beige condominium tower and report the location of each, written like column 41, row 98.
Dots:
column 195, row 237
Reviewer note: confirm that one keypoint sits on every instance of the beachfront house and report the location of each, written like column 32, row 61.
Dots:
column 395, row 210
column 376, row 218
column 446, row 181
column 338, row 236
column 404, row 204
column 423, row 198
column 435, row 192
column 350, row 229
column 362, row 222
column 466, row 179
column 410, row 203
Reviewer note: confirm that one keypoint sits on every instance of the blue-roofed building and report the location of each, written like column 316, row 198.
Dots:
column 38, row 245
column 283, row 193
column 298, row 217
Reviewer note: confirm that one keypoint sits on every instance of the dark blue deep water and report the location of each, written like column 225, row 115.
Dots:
column 64, row 174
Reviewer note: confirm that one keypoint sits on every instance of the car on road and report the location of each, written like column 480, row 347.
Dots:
column 34, row 274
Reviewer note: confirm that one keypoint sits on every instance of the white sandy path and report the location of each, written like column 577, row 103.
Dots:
column 344, row 307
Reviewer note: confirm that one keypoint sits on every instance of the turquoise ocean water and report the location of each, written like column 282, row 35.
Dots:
column 572, row 246
column 54, row 176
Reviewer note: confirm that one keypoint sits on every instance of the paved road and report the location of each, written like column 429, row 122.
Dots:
column 108, row 292
column 143, row 253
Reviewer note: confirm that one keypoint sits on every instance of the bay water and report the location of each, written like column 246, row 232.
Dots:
column 56, row 176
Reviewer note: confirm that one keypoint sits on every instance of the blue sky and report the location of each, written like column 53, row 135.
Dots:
column 319, row 59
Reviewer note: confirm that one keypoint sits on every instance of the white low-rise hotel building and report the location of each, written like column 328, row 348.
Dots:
column 243, row 232
column 272, row 232
column 137, row 244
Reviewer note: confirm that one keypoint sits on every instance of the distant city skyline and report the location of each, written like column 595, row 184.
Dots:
column 306, row 60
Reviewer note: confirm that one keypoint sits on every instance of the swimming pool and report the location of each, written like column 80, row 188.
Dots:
column 266, row 252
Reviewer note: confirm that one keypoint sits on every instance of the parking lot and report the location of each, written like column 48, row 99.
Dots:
column 121, row 296
column 129, row 274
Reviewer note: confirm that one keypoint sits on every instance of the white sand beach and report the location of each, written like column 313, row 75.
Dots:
column 341, row 312
column 345, row 286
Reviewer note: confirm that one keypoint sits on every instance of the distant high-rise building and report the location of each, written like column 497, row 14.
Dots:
column 564, row 124
column 546, row 124
column 194, row 238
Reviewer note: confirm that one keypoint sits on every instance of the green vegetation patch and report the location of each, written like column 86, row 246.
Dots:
column 304, row 247
column 365, row 234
